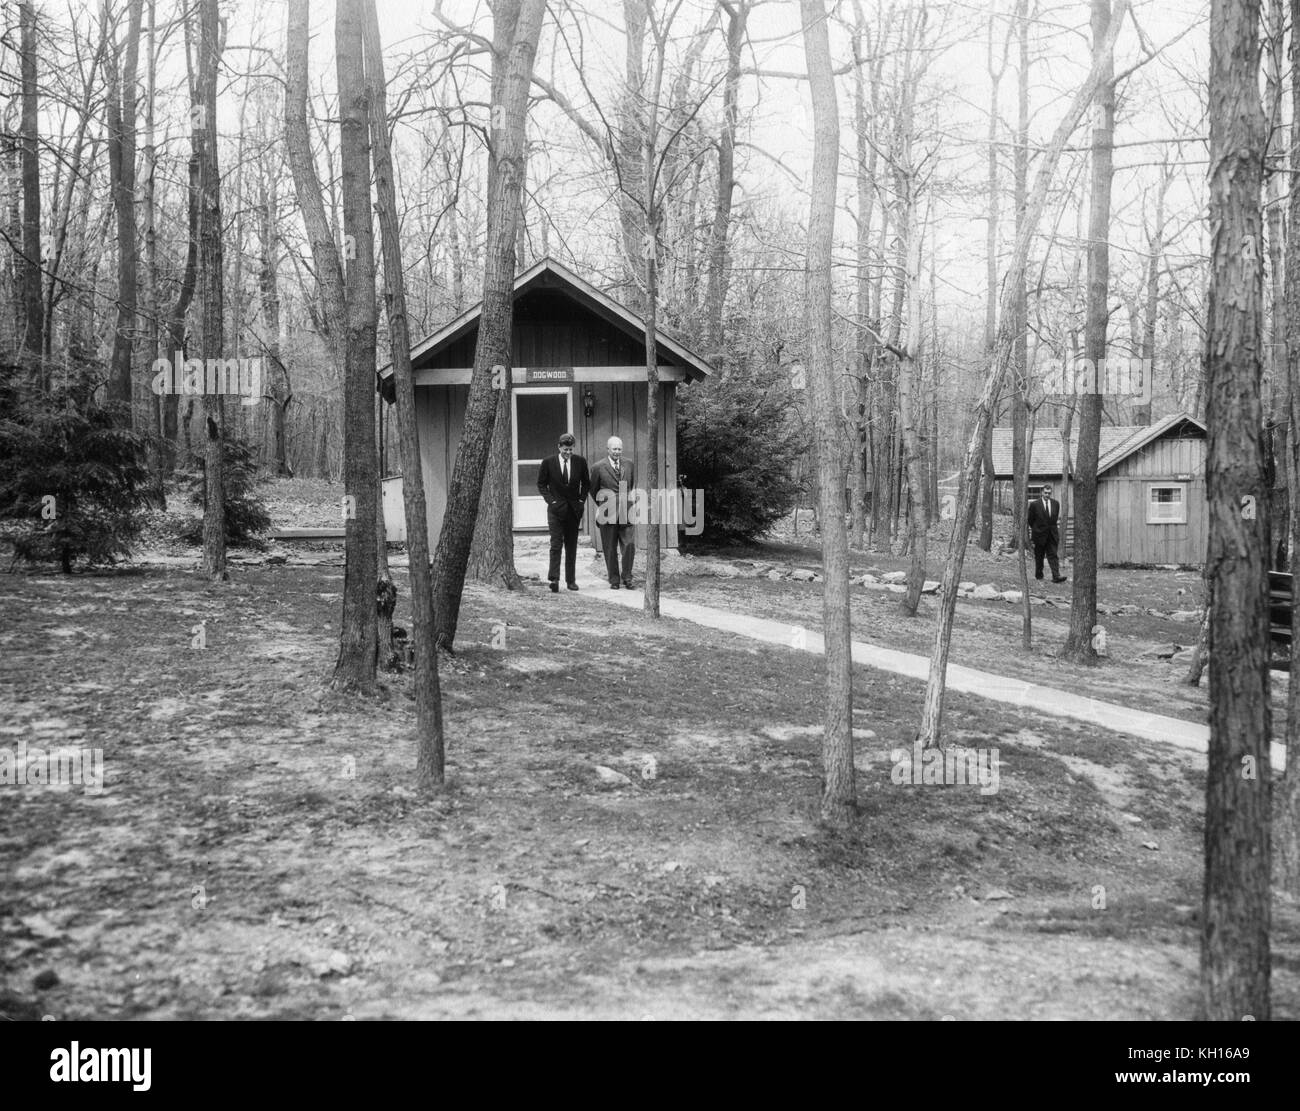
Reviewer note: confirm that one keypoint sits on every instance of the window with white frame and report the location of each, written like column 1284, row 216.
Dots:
column 1167, row 503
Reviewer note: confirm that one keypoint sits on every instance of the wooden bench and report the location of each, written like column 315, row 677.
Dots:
column 308, row 534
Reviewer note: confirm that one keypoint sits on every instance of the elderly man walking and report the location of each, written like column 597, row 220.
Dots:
column 611, row 480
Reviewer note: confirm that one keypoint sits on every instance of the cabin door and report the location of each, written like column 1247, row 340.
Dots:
column 541, row 416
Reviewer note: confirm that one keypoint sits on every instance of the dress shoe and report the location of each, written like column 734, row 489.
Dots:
column 573, row 586
column 555, row 587
column 627, row 584
column 1038, row 576
column 613, row 584
column 1061, row 579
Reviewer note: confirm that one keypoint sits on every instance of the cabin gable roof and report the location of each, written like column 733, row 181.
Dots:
column 543, row 283
column 1118, row 442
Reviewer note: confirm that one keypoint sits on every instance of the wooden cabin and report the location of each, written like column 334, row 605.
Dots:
column 580, row 367
column 1151, row 501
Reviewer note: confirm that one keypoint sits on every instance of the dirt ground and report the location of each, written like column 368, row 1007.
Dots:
column 1147, row 659
column 258, row 850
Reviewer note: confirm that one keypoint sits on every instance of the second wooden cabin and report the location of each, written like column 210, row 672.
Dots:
column 1151, row 502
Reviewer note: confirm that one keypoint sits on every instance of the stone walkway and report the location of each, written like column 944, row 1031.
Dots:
column 1189, row 735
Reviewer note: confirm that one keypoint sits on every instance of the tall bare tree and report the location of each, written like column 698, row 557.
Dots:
column 121, row 113
column 33, row 331
column 428, row 692
column 838, row 800
column 211, row 283
column 737, row 21
column 1083, row 603
column 1234, row 940
column 1286, row 824
column 516, row 26
column 355, row 668
column 932, row 714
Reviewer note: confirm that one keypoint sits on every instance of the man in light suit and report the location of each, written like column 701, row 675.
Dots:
column 611, row 480
column 1044, row 527
column 563, row 480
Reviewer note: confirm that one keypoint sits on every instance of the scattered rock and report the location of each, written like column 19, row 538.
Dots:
column 43, row 981
column 984, row 591
column 672, row 865
column 1186, row 617
column 1151, row 845
column 894, row 577
column 1132, row 818
column 583, row 842
column 930, row 586
column 864, row 734
column 1011, row 595
column 775, row 575
column 802, row 575
column 712, row 881
column 966, row 586
column 337, row 963
column 40, row 926
column 1162, row 653
column 611, row 777
column 993, row 894
column 868, row 578
column 1128, row 609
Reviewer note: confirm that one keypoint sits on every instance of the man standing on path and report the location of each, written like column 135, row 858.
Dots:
column 1044, row 527
column 563, row 480
column 611, row 479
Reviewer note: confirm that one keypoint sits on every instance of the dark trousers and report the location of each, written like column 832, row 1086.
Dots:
column 1046, row 548
column 613, row 539
column 563, row 525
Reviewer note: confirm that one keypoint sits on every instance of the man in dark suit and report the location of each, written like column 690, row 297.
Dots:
column 1044, row 527
column 611, row 479
column 563, row 481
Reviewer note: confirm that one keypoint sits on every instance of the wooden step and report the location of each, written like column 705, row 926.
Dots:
column 308, row 534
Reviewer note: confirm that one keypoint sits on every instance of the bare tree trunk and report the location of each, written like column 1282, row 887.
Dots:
column 516, row 27
column 121, row 111
column 865, row 173
column 1083, row 603
column 1235, row 941
column 906, row 185
column 631, row 144
column 1276, row 413
column 279, row 391
column 355, row 668
column 838, row 790
column 1286, row 822
column 306, row 182
column 1020, row 400
column 176, row 323
column 932, row 717
column 995, row 70
column 152, row 322
column 33, row 332
column 211, row 286
column 429, row 767
column 737, row 17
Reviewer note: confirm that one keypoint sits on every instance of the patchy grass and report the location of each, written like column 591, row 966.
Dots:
column 258, row 850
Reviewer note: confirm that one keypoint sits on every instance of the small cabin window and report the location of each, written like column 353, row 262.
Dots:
column 1167, row 503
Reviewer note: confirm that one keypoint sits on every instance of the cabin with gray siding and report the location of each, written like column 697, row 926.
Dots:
column 579, row 366
column 1151, row 501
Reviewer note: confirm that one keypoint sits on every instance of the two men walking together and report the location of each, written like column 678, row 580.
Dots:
column 565, row 481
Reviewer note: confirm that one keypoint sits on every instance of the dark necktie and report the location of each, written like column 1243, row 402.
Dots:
column 564, row 467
